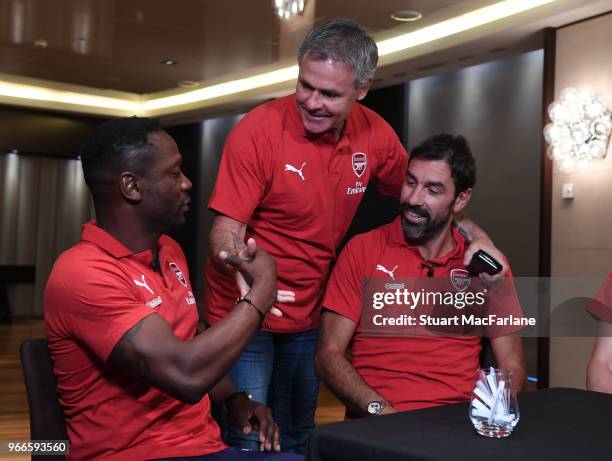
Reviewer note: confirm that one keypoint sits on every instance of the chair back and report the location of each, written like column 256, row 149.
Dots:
column 46, row 417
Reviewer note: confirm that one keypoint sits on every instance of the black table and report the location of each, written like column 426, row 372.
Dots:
column 555, row 424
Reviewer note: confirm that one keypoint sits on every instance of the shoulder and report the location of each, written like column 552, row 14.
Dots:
column 83, row 270
column 365, row 246
column 263, row 119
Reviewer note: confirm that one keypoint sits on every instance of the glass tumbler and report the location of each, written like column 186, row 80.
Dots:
column 494, row 408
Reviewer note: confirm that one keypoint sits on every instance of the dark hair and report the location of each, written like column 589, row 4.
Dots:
column 116, row 144
column 343, row 40
column 457, row 154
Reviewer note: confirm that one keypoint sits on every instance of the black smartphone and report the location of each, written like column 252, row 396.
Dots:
column 483, row 262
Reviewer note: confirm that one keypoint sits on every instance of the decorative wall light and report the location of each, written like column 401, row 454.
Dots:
column 286, row 9
column 580, row 129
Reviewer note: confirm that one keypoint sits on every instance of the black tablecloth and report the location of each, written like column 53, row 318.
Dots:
column 555, row 424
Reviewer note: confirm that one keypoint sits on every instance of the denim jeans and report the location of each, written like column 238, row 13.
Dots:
column 278, row 369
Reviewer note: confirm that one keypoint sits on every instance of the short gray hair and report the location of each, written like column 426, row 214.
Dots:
column 343, row 40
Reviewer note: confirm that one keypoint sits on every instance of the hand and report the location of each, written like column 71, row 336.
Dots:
column 250, row 416
column 388, row 410
column 246, row 253
column 485, row 244
column 257, row 270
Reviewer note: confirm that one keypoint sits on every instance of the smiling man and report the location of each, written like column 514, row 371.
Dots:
column 292, row 175
column 395, row 370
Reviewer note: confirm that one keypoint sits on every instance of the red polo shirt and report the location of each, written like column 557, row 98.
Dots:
column 409, row 371
column 601, row 305
column 97, row 291
column 298, row 197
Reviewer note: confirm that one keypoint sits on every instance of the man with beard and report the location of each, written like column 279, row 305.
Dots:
column 388, row 372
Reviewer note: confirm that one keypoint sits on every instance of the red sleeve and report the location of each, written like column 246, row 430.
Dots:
column 94, row 303
column 601, row 304
column 243, row 175
column 343, row 294
column 393, row 160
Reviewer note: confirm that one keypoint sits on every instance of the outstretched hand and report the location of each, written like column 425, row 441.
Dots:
column 245, row 281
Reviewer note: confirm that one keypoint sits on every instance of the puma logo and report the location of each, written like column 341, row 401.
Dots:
column 386, row 271
column 143, row 284
column 295, row 170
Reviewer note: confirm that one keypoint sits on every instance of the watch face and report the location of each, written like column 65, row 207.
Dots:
column 375, row 407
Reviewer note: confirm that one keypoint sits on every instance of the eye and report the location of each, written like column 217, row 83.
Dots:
column 435, row 190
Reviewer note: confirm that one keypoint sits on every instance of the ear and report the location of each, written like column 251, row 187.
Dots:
column 363, row 90
column 462, row 200
column 131, row 188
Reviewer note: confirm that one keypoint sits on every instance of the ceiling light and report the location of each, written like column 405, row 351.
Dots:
column 406, row 15
column 188, row 84
column 286, row 9
column 38, row 93
column 169, row 62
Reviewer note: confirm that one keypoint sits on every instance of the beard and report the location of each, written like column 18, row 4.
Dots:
column 420, row 233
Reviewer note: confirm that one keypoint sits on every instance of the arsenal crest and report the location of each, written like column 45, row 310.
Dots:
column 179, row 274
column 460, row 279
column 360, row 161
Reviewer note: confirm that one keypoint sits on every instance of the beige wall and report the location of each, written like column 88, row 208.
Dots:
column 582, row 227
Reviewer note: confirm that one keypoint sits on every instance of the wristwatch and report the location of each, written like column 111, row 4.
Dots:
column 237, row 395
column 375, row 407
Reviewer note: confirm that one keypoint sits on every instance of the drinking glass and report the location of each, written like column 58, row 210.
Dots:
column 494, row 408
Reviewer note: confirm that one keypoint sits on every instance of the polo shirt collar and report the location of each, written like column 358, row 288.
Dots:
column 296, row 121
column 98, row 236
column 397, row 237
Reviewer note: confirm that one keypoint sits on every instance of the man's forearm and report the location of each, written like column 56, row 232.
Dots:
column 343, row 380
column 226, row 234
column 599, row 372
column 222, row 390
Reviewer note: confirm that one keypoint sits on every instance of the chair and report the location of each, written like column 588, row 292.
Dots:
column 46, row 417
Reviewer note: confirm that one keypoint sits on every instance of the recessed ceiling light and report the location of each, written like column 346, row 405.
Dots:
column 406, row 15
column 169, row 62
column 188, row 83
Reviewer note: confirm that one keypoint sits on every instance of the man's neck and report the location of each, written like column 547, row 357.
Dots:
column 331, row 136
column 130, row 234
column 439, row 246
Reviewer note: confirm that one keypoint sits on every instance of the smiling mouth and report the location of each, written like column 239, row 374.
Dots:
column 414, row 218
column 314, row 117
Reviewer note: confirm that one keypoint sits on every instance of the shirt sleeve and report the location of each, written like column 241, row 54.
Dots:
column 95, row 304
column 393, row 161
column 601, row 304
column 242, row 176
column 343, row 294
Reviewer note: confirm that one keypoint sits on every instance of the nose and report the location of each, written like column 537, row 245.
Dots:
column 313, row 101
column 185, row 183
column 413, row 196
